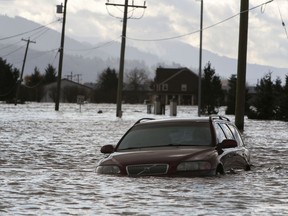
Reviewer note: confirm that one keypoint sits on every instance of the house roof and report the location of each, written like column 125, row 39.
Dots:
column 69, row 83
column 165, row 74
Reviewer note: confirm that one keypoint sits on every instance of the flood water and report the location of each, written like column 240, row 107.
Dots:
column 48, row 161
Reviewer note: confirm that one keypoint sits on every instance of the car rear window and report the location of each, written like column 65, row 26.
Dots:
column 167, row 135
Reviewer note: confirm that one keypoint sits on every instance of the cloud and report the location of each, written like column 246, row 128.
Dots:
column 268, row 42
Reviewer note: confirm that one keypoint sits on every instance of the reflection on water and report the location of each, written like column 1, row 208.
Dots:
column 48, row 160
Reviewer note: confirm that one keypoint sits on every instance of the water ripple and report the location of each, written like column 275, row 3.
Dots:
column 48, row 161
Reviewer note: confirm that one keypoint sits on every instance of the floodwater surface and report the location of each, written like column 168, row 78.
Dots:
column 48, row 161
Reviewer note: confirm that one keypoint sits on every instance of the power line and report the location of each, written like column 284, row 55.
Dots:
column 10, row 45
column 43, row 53
column 36, row 85
column 71, row 77
column 133, row 6
column 40, row 33
column 37, row 35
column 13, row 51
column 205, row 28
column 23, row 33
column 22, row 71
column 126, row 5
column 104, row 44
column 282, row 21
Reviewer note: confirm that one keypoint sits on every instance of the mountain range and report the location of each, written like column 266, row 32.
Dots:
column 84, row 61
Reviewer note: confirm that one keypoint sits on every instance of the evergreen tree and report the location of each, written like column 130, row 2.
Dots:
column 34, row 79
column 212, row 93
column 107, row 86
column 283, row 110
column 231, row 96
column 34, row 85
column 8, row 80
column 278, row 93
column 108, row 80
column 50, row 74
column 264, row 104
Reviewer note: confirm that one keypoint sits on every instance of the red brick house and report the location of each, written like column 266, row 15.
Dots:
column 178, row 83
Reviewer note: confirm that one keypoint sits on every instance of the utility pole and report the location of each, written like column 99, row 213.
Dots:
column 78, row 77
column 70, row 77
column 22, row 70
column 122, row 54
column 200, row 60
column 61, row 51
column 242, row 62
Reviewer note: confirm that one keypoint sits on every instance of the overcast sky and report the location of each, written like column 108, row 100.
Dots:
column 93, row 21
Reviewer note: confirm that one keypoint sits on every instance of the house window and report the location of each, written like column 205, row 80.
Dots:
column 165, row 87
column 184, row 87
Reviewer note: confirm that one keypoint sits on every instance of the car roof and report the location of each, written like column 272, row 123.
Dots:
column 147, row 122
column 152, row 121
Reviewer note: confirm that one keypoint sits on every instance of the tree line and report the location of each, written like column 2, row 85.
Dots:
column 32, row 87
column 268, row 102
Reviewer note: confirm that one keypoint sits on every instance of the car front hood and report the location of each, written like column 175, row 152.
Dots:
column 160, row 155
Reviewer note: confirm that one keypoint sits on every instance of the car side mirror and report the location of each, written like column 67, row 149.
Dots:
column 227, row 143
column 107, row 149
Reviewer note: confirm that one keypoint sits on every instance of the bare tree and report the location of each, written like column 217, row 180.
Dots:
column 137, row 80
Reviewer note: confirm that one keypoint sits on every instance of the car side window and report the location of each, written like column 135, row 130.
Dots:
column 236, row 134
column 220, row 136
column 227, row 131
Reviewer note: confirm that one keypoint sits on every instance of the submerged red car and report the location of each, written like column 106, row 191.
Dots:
column 177, row 147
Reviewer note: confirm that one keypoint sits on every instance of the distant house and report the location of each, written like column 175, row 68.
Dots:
column 69, row 92
column 180, row 84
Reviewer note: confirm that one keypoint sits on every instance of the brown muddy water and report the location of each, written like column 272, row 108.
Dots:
column 48, row 161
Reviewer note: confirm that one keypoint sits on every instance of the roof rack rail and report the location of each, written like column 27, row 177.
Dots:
column 143, row 119
column 212, row 117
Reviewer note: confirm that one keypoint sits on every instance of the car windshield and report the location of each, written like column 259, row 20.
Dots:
column 167, row 135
